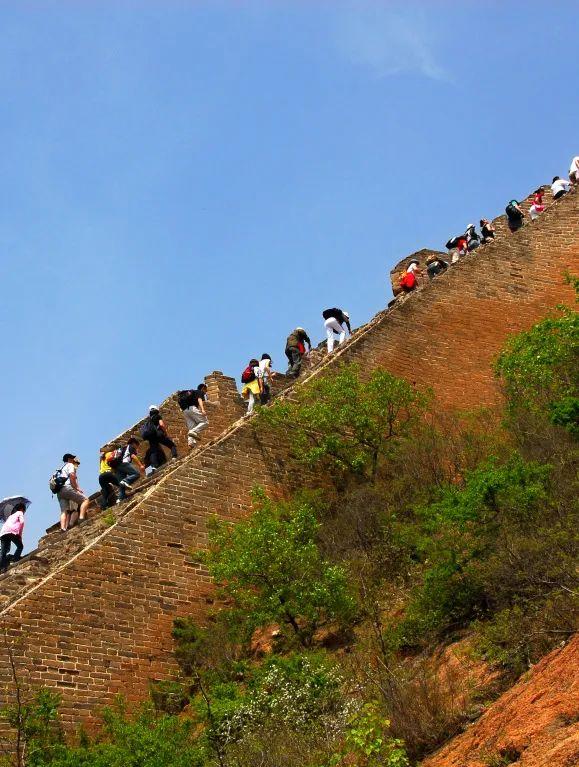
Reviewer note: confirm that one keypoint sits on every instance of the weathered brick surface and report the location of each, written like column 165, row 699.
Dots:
column 98, row 620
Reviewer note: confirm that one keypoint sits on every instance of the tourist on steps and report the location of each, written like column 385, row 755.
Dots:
column 559, row 187
column 515, row 215
column 73, row 502
column 191, row 403
column 537, row 205
column 574, row 170
column 267, row 374
column 337, row 321
column 130, row 467
column 472, row 238
column 108, row 480
column 457, row 247
column 295, row 349
column 155, row 433
column 435, row 265
column 487, row 229
column 252, row 380
column 11, row 533
column 408, row 278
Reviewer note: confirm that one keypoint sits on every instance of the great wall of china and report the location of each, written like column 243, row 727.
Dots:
column 90, row 613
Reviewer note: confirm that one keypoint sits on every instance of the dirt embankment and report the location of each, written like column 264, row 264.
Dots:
column 534, row 724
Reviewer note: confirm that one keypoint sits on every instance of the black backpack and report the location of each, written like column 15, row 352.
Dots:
column 149, row 430
column 183, row 398
column 512, row 213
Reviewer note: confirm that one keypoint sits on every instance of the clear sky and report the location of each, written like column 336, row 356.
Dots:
column 182, row 183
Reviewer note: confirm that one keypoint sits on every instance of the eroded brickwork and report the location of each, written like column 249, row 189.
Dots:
column 99, row 621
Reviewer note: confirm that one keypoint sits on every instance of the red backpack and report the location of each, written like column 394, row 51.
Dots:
column 248, row 375
column 407, row 280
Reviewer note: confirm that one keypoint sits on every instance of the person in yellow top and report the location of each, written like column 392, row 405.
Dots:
column 107, row 478
column 252, row 379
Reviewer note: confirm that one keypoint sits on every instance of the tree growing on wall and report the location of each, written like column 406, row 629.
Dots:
column 346, row 423
column 270, row 569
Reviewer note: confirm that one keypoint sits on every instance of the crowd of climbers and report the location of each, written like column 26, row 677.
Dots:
column 120, row 467
column 470, row 240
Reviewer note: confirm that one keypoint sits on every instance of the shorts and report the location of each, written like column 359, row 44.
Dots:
column 68, row 497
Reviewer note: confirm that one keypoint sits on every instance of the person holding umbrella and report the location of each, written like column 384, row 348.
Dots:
column 11, row 531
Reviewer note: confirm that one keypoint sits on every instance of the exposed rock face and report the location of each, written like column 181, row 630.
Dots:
column 534, row 724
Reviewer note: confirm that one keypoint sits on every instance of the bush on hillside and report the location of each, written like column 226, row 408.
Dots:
column 345, row 423
column 540, row 371
column 270, row 569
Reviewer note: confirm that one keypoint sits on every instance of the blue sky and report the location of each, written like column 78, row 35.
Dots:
column 182, row 183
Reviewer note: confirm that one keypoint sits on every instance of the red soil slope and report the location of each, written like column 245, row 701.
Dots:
column 534, row 724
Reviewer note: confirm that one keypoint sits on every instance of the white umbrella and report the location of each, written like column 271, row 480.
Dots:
column 7, row 505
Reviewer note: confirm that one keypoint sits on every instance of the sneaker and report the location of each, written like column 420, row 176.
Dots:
column 119, row 500
column 175, row 458
column 191, row 442
column 126, row 485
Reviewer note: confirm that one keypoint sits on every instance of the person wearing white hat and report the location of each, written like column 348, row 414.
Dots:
column 336, row 321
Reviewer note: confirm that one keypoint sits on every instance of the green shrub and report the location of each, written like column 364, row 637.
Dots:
column 345, row 423
column 270, row 570
column 540, row 370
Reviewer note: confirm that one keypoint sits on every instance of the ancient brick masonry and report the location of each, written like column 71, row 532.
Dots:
column 98, row 620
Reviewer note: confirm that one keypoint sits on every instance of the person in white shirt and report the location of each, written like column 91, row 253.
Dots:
column 266, row 375
column 73, row 502
column 559, row 187
column 574, row 170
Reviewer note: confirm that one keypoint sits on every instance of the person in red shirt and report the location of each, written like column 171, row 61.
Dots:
column 537, row 204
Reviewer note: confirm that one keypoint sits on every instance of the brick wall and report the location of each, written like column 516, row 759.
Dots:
column 99, row 621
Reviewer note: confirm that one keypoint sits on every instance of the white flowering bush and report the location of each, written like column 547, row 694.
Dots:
column 302, row 693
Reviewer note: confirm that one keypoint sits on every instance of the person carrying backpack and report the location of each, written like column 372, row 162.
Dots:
column 191, row 403
column 336, row 321
column 295, row 349
column 11, row 533
column 515, row 215
column 73, row 502
column 252, row 378
column 154, row 432
column 408, row 278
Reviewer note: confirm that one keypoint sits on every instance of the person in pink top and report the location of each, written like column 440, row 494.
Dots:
column 11, row 533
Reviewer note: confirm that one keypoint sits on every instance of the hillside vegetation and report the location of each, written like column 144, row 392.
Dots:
column 368, row 619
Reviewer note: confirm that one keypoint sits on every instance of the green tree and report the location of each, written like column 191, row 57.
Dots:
column 345, row 422
column 506, row 537
column 146, row 739
column 270, row 569
column 539, row 369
